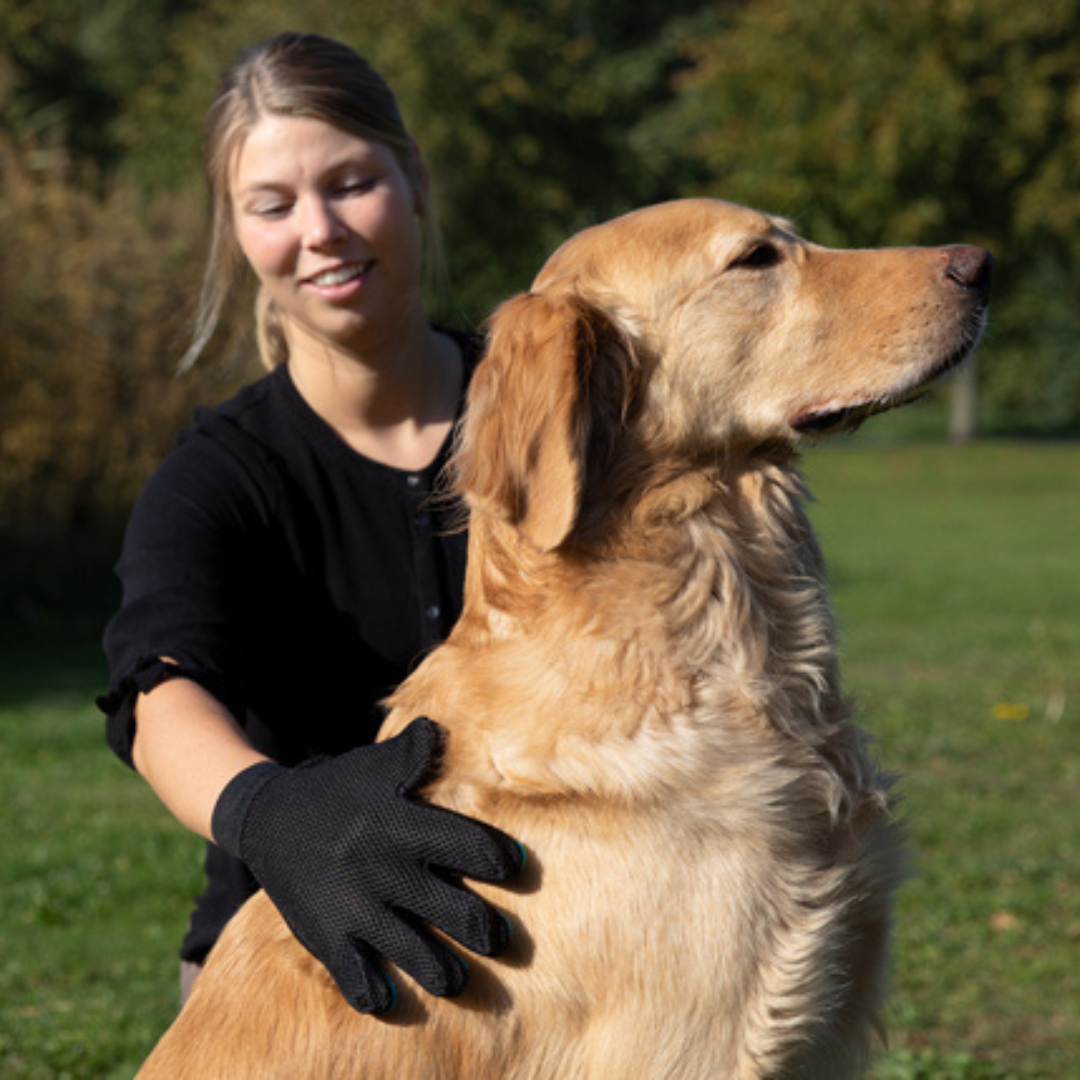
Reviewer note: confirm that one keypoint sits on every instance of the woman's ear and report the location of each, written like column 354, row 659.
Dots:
column 523, row 445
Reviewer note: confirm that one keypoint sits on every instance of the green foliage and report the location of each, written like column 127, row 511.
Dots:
column 67, row 68
column 923, row 122
column 1031, row 378
column 895, row 123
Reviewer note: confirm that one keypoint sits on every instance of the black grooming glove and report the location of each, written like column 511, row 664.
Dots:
column 357, row 867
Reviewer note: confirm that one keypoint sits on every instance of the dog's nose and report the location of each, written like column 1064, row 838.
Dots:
column 970, row 268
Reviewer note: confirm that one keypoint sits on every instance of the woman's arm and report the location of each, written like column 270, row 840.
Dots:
column 340, row 846
column 188, row 747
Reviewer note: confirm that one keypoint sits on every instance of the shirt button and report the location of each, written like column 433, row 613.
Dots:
column 423, row 519
column 413, row 480
column 433, row 612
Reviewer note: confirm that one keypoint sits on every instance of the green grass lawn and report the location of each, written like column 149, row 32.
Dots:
column 957, row 585
column 95, row 887
column 958, row 591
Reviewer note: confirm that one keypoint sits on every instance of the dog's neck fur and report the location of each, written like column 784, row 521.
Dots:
column 727, row 567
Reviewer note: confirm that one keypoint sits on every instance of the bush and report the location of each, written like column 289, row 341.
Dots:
column 95, row 294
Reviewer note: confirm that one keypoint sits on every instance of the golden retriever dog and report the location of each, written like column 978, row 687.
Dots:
column 643, row 687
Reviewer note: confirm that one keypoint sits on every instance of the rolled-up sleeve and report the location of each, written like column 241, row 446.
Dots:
column 181, row 572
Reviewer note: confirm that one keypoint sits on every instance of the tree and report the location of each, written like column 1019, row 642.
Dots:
column 91, row 324
column 66, row 68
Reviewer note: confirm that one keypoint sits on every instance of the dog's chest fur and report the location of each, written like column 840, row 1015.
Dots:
column 659, row 720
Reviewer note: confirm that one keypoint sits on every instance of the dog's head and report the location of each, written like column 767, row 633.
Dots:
column 686, row 332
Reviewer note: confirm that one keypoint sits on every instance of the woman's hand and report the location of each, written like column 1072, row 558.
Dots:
column 359, row 868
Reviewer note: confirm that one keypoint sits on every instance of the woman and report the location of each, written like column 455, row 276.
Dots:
column 285, row 568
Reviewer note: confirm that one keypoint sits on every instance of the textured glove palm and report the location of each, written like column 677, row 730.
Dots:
column 357, row 868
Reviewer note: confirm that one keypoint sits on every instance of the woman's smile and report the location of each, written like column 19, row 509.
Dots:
column 341, row 283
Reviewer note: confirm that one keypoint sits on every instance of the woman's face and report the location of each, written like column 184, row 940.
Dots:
column 329, row 223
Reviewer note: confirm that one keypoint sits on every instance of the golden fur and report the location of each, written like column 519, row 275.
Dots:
column 643, row 687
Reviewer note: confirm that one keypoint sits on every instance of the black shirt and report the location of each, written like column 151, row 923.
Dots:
column 295, row 579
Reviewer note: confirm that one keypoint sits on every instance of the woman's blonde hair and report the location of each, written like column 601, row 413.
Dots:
column 291, row 74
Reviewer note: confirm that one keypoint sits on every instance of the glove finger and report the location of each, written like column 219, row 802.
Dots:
column 459, row 844
column 433, row 964
column 439, row 836
column 360, row 978
column 462, row 915
column 414, row 754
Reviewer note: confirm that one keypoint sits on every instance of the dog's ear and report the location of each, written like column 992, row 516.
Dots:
column 522, row 455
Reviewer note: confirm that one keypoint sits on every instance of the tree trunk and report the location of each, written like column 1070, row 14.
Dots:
column 964, row 403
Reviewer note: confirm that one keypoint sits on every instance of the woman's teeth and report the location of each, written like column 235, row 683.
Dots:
column 339, row 276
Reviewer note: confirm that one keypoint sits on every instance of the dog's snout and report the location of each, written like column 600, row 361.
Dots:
column 970, row 268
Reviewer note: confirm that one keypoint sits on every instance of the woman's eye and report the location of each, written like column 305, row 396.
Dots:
column 759, row 257
column 359, row 186
column 271, row 210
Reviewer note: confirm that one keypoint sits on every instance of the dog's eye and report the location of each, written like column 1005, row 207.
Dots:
column 758, row 257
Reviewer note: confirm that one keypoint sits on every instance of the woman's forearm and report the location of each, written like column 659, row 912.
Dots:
column 188, row 747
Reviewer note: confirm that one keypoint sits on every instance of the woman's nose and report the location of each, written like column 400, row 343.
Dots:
column 322, row 225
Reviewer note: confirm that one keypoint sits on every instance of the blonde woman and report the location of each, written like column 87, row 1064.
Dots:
column 286, row 567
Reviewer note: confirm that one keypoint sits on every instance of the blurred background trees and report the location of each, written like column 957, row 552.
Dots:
column 867, row 122
column 920, row 122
